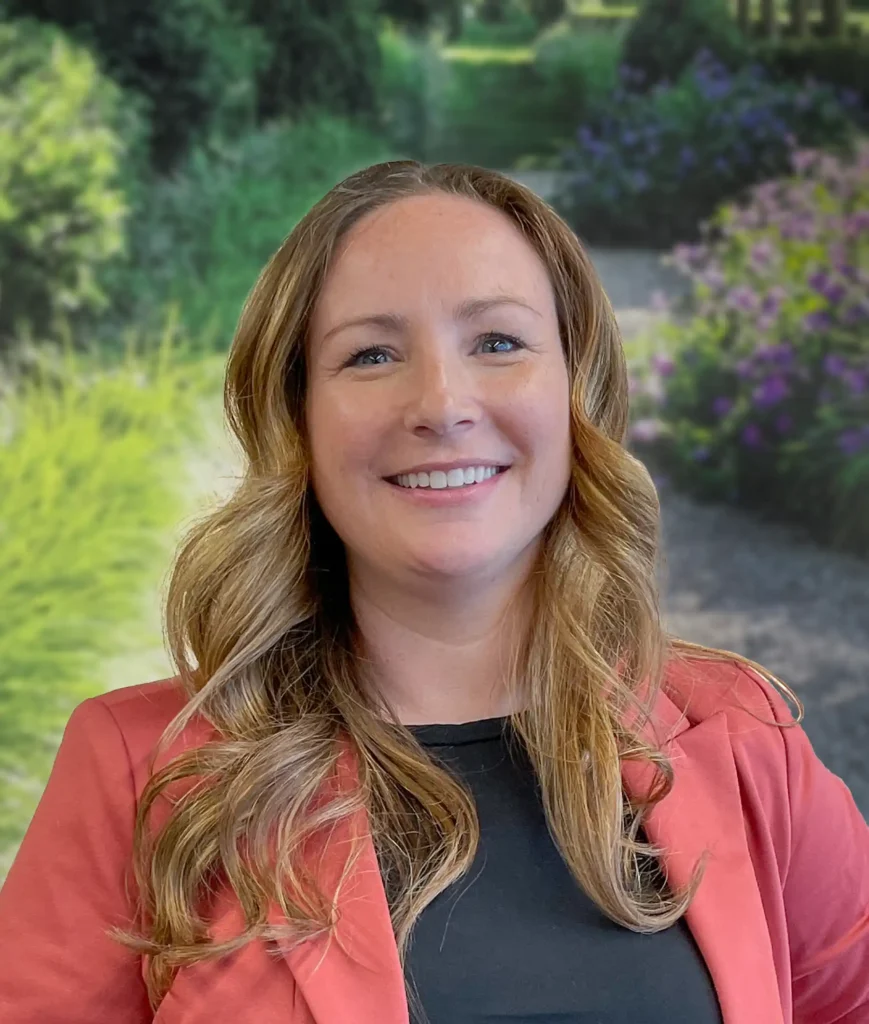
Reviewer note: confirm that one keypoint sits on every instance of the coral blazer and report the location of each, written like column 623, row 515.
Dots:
column 781, row 917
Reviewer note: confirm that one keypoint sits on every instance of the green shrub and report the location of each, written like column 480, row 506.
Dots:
column 517, row 26
column 764, row 397
column 412, row 77
column 666, row 35
column 90, row 488
column 843, row 63
column 653, row 166
column 537, row 107
column 413, row 15
column 200, row 237
column 62, row 130
column 324, row 54
column 579, row 70
column 191, row 61
column 547, row 12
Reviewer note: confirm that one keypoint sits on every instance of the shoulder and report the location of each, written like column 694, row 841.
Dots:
column 133, row 718
column 703, row 687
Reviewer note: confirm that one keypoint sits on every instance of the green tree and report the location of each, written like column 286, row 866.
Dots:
column 192, row 60
column 63, row 130
column 324, row 53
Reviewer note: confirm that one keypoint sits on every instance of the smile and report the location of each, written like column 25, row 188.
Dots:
column 455, row 478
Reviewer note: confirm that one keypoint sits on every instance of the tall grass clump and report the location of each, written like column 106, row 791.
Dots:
column 89, row 488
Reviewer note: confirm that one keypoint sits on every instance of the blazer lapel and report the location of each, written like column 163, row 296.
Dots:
column 703, row 810
column 356, row 978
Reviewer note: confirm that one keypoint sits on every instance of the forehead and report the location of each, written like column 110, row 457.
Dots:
column 430, row 247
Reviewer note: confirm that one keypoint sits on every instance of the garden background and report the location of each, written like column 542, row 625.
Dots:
column 713, row 157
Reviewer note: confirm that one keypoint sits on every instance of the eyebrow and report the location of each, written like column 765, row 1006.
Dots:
column 466, row 310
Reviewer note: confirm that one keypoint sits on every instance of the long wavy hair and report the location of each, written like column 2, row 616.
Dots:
column 258, row 597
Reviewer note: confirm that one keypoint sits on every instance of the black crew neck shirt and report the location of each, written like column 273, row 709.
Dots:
column 515, row 940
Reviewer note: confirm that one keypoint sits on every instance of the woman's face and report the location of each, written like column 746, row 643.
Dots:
column 435, row 359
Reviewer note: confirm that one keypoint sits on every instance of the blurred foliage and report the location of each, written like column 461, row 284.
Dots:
column 417, row 17
column 652, row 166
column 412, row 81
column 323, row 53
column 201, row 237
column 841, row 63
column 578, row 67
column 666, row 35
column 513, row 25
column 192, row 62
column 762, row 398
column 90, row 483
column 63, row 129
column 547, row 12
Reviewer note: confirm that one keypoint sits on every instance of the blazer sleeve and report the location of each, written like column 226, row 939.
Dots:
column 65, row 888
column 826, row 888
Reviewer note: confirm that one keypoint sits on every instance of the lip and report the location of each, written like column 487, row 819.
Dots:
column 447, row 496
column 445, row 467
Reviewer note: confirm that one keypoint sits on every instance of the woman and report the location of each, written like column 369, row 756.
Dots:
column 437, row 756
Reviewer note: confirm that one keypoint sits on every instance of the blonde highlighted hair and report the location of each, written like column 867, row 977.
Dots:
column 258, row 600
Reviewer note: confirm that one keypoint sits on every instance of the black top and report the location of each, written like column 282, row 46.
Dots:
column 516, row 941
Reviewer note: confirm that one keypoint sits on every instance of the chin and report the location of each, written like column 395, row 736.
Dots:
column 456, row 562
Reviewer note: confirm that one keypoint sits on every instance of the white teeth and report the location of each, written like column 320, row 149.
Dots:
column 439, row 480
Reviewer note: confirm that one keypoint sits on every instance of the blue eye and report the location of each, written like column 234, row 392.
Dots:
column 497, row 337
column 355, row 357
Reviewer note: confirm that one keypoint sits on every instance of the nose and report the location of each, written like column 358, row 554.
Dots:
column 442, row 394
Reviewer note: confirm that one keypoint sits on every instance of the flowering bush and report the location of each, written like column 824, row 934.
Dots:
column 761, row 394
column 650, row 168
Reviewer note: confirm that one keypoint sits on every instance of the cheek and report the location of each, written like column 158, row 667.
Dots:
column 344, row 436
column 541, row 418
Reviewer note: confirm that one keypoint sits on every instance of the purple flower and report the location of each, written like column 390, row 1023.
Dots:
column 663, row 364
column 744, row 368
column 761, row 253
column 640, row 181
column 700, row 454
column 751, row 435
column 744, row 298
column 783, row 354
column 774, row 298
column 770, row 392
column 713, row 277
column 818, row 321
column 818, row 280
column 857, row 223
column 832, row 291
column 851, row 442
column 857, row 381
column 802, row 159
column 722, row 405
column 834, row 365
column 783, row 423
column 646, row 430
column 854, row 314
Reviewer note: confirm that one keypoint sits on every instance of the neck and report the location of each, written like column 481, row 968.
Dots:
column 442, row 654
